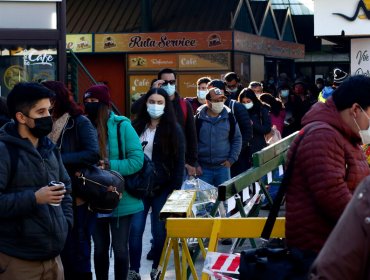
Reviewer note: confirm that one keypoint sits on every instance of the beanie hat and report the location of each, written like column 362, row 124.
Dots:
column 100, row 92
column 339, row 76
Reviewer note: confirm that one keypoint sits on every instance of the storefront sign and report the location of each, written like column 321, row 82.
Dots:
column 360, row 57
column 151, row 61
column 79, row 42
column 187, row 84
column 261, row 45
column 334, row 18
column 176, row 41
column 34, row 57
column 139, row 85
column 212, row 61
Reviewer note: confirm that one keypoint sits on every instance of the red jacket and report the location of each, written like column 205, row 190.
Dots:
column 329, row 165
column 346, row 254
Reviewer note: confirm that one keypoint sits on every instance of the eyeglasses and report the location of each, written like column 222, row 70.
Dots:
column 171, row 82
column 232, row 86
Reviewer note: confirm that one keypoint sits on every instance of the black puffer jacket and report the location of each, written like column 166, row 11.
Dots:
column 29, row 230
column 78, row 144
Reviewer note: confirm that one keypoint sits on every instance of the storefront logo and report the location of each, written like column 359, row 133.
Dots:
column 109, row 42
column 32, row 58
column 214, row 40
column 363, row 5
column 138, row 61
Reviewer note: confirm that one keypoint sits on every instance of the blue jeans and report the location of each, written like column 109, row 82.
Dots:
column 76, row 255
column 215, row 176
column 119, row 228
column 158, row 230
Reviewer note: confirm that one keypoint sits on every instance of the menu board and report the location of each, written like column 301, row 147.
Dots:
column 138, row 62
column 204, row 61
column 139, row 85
column 187, row 83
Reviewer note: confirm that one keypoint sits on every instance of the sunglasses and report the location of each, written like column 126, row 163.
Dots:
column 171, row 82
column 232, row 86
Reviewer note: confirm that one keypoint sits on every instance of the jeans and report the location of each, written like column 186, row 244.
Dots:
column 76, row 255
column 215, row 176
column 119, row 229
column 158, row 230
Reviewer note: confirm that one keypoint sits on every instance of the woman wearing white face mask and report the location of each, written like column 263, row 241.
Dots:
column 259, row 114
column 164, row 144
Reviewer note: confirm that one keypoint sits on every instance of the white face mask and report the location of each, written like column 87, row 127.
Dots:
column 202, row 94
column 217, row 107
column 248, row 105
column 284, row 93
column 155, row 111
column 170, row 89
column 364, row 134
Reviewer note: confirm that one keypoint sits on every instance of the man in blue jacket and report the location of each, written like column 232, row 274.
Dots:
column 34, row 217
column 245, row 125
column 219, row 139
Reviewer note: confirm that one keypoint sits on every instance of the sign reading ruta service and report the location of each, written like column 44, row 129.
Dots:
column 360, row 57
column 333, row 17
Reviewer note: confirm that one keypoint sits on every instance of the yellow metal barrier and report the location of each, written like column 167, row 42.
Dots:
column 178, row 229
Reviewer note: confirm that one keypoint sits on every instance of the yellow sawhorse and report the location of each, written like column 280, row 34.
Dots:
column 179, row 229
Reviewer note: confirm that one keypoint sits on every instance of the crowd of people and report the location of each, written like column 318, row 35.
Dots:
column 46, row 136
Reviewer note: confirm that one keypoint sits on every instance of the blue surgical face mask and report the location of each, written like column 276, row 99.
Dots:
column 248, row 105
column 202, row 94
column 284, row 93
column 170, row 89
column 155, row 111
column 232, row 90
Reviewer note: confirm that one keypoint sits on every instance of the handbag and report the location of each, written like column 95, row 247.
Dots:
column 142, row 183
column 101, row 188
column 278, row 263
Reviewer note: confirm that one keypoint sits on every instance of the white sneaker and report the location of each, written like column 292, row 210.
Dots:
column 133, row 275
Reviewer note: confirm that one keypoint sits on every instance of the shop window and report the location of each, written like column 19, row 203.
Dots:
column 25, row 64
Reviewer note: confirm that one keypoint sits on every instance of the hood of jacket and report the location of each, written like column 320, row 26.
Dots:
column 328, row 113
column 9, row 134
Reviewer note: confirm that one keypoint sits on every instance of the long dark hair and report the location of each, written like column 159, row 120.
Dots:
column 63, row 100
column 167, row 125
column 275, row 104
column 249, row 93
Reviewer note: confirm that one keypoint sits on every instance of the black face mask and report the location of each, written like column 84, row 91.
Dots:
column 43, row 126
column 91, row 110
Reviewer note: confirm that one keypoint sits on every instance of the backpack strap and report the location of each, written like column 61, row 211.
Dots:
column 198, row 124
column 232, row 122
column 120, row 151
column 13, row 154
column 184, row 108
column 232, row 105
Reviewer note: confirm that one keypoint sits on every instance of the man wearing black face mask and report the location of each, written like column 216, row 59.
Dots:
column 34, row 217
